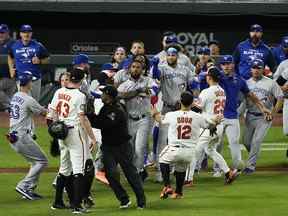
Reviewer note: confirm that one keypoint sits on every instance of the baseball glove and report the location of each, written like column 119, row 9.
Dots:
column 213, row 130
column 58, row 130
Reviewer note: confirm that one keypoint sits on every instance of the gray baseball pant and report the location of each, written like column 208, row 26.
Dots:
column 32, row 152
column 139, row 131
column 255, row 131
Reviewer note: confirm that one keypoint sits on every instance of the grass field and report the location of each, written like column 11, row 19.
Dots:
column 263, row 193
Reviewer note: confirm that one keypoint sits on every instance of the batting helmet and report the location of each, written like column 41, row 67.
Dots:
column 58, row 130
column 25, row 77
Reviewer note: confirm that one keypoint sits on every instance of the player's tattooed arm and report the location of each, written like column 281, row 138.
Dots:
column 88, row 129
column 278, row 105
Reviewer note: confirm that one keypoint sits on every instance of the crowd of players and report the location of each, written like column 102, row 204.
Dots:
column 221, row 89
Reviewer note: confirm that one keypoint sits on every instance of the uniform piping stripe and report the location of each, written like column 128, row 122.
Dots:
column 82, row 149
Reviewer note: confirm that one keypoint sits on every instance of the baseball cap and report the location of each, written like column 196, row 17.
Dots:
column 171, row 39
column 76, row 75
column 226, row 59
column 257, row 63
column 256, row 28
column 4, row 28
column 81, row 59
column 110, row 90
column 168, row 33
column 26, row 28
column 25, row 77
column 284, row 42
column 204, row 50
column 187, row 98
column 172, row 50
column 108, row 66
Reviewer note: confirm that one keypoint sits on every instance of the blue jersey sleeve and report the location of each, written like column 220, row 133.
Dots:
column 43, row 52
column 243, row 86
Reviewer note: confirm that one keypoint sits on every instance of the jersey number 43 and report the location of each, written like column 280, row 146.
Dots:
column 62, row 109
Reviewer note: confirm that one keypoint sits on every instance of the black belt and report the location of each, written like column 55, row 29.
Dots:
column 70, row 127
column 137, row 118
column 255, row 113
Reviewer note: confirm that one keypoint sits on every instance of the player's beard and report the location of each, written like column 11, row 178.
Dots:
column 172, row 64
column 135, row 76
column 255, row 39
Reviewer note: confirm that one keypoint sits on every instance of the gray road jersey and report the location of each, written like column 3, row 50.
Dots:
column 266, row 90
column 173, row 82
column 22, row 107
column 182, row 60
column 138, row 105
column 121, row 76
column 85, row 86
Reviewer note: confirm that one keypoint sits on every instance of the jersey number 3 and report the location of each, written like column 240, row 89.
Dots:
column 184, row 131
column 219, row 106
column 62, row 109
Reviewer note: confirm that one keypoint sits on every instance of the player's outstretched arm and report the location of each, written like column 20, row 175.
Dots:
column 258, row 103
column 88, row 129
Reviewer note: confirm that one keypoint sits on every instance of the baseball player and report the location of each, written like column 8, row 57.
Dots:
column 174, row 80
column 212, row 102
column 22, row 108
column 280, row 77
column 280, row 52
column 249, row 50
column 27, row 54
column 183, row 133
column 168, row 40
column 257, row 124
column 233, row 85
column 136, row 92
column 68, row 105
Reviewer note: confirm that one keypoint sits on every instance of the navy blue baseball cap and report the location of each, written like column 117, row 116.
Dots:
column 284, row 42
column 256, row 28
column 26, row 28
column 4, row 28
column 226, row 59
column 204, row 50
column 25, row 77
column 213, row 72
column 171, row 39
column 257, row 63
column 81, row 59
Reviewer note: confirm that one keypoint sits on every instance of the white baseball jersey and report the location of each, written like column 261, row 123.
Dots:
column 212, row 101
column 184, row 127
column 68, row 103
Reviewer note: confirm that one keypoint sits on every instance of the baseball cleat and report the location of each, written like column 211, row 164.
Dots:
column 27, row 194
column 58, row 206
column 166, row 191
column 88, row 202
column 247, row 171
column 125, row 205
column 176, row 196
column 188, row 184
column 231, row 176
column 100, row 176
column 217, row 174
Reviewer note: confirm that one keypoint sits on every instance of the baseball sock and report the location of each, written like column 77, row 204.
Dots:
column 88, row 178
column 180, row 177
column 78, row 189
column 165, row 171
column 69, row 188
column 60, row 184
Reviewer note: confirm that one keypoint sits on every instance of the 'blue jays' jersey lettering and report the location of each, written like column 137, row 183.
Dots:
column 247, row 54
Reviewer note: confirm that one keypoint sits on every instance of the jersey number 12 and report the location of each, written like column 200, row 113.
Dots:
column 184, row 132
